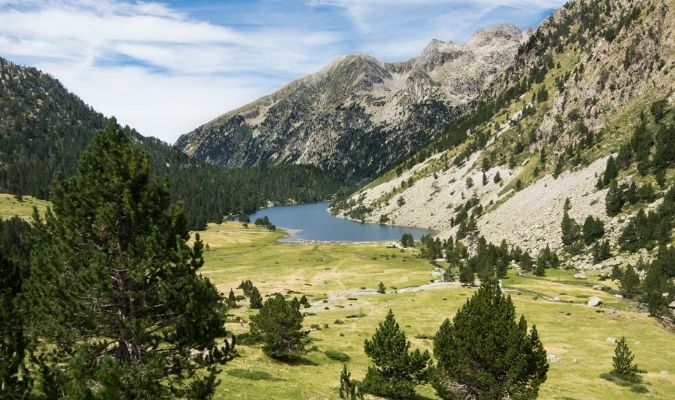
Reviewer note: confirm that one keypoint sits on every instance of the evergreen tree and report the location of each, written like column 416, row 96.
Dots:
column 255, row 299
column 349, row 389
column 304, row 302
column 601, row 251
column 659, row 280
column 232, row 300
column 570, row 230
column 381, row 289
column 279, row 326
column 623, row 364
column 397, row 370
column 15, row 245
column 407, row 240
column 611, row 171
column 115, row 284
column 497, row 178
column 613, row 200
column 466, row 275
column 485, row 179
column 485, row 354
column 593, row 229
column 630, row 282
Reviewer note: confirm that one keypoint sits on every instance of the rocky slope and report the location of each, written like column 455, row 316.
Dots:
column 358, row 116
column 577, row 91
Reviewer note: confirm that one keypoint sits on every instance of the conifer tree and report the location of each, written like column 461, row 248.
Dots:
column 397, row 370
column 497, row 178
column 570, row 230
column 115, row 284
column 630, row 282
column 623, row 364
column 485, row 354
column 613, row 200
column 255, row 299
column 349, row 389
column 232, row 300
column 466, row 275
column 611, row 171
column 593, row 229
column 381, row 289
column 15, row 245
column 279, row 326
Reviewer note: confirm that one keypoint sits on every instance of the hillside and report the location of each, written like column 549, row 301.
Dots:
column 358, row 116
column 594, row 80
column 44, row 129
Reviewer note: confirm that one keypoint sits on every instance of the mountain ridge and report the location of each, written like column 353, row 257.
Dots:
column 357, row 103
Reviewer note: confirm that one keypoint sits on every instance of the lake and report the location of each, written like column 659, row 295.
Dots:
column 314, row 222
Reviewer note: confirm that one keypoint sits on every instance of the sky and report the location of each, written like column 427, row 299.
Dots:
column 166, row 67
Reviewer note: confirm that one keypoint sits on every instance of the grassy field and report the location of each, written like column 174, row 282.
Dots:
column 10, row 206
column 345, row 276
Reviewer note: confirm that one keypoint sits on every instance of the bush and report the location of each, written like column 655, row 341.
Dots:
column 337, row 355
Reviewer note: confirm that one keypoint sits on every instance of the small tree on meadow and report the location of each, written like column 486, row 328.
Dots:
column 623, row 364
column 397, row 370
column 279, row 326
column 485, row 354
column 349, row 389
column 381, row 289
column 256, row 300
column 630, row 282
column 231, row 300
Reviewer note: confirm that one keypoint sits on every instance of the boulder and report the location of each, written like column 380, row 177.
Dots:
column 594, row 301
column 672, row 304
column 580, row 275
column 611, row 339
column 597, row 287
column 618, row 296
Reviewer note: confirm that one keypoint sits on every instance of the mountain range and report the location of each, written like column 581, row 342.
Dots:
column 358, row 116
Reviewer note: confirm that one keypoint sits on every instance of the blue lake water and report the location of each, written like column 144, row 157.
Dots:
column 314, row 222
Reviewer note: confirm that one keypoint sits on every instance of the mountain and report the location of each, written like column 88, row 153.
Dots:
column 44, row 128
column 585, row 113
column 358, row 115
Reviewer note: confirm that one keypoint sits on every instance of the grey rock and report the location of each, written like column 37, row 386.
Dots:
column 594, row 301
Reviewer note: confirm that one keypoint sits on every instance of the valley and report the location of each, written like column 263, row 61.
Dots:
column 574, row 334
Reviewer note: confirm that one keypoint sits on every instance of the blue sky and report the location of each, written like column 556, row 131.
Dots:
column 165, row 67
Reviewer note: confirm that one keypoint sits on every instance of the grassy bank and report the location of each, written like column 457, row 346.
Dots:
column 580, row 336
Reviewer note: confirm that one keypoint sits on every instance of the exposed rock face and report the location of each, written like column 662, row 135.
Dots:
column 595, row 81
column 358, row 116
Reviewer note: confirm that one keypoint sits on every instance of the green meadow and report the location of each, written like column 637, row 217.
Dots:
column 340, row 281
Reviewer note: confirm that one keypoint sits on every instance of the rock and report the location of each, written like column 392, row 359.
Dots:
column 618, row 296
column 611, row 339
column 672, row 304
column 594, row 301
column 597, row 287
column 580, row 275
column 556, row 298
column 554, row 358
column 574, row 360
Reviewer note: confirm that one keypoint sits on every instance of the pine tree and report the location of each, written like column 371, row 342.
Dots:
column 485, row 179
column 349, row 389
column 15, row 245
column 630, row 282
column 614, row 200
column 279, row 326
column 255, row 299
column 397, row 370
column 497, row 178
column 570, row 230
column 611, row 171
column 601, row 251
column 485, row 354
column 232, row 300
column 593, row 229
column 115, row 283
column 381, row 289
column 466, row 275
column 623, row 364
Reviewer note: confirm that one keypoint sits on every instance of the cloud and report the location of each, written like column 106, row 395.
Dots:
column 166, row 68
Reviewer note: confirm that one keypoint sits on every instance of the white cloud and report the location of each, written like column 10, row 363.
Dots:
column 153, row 67
column 164, row 71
